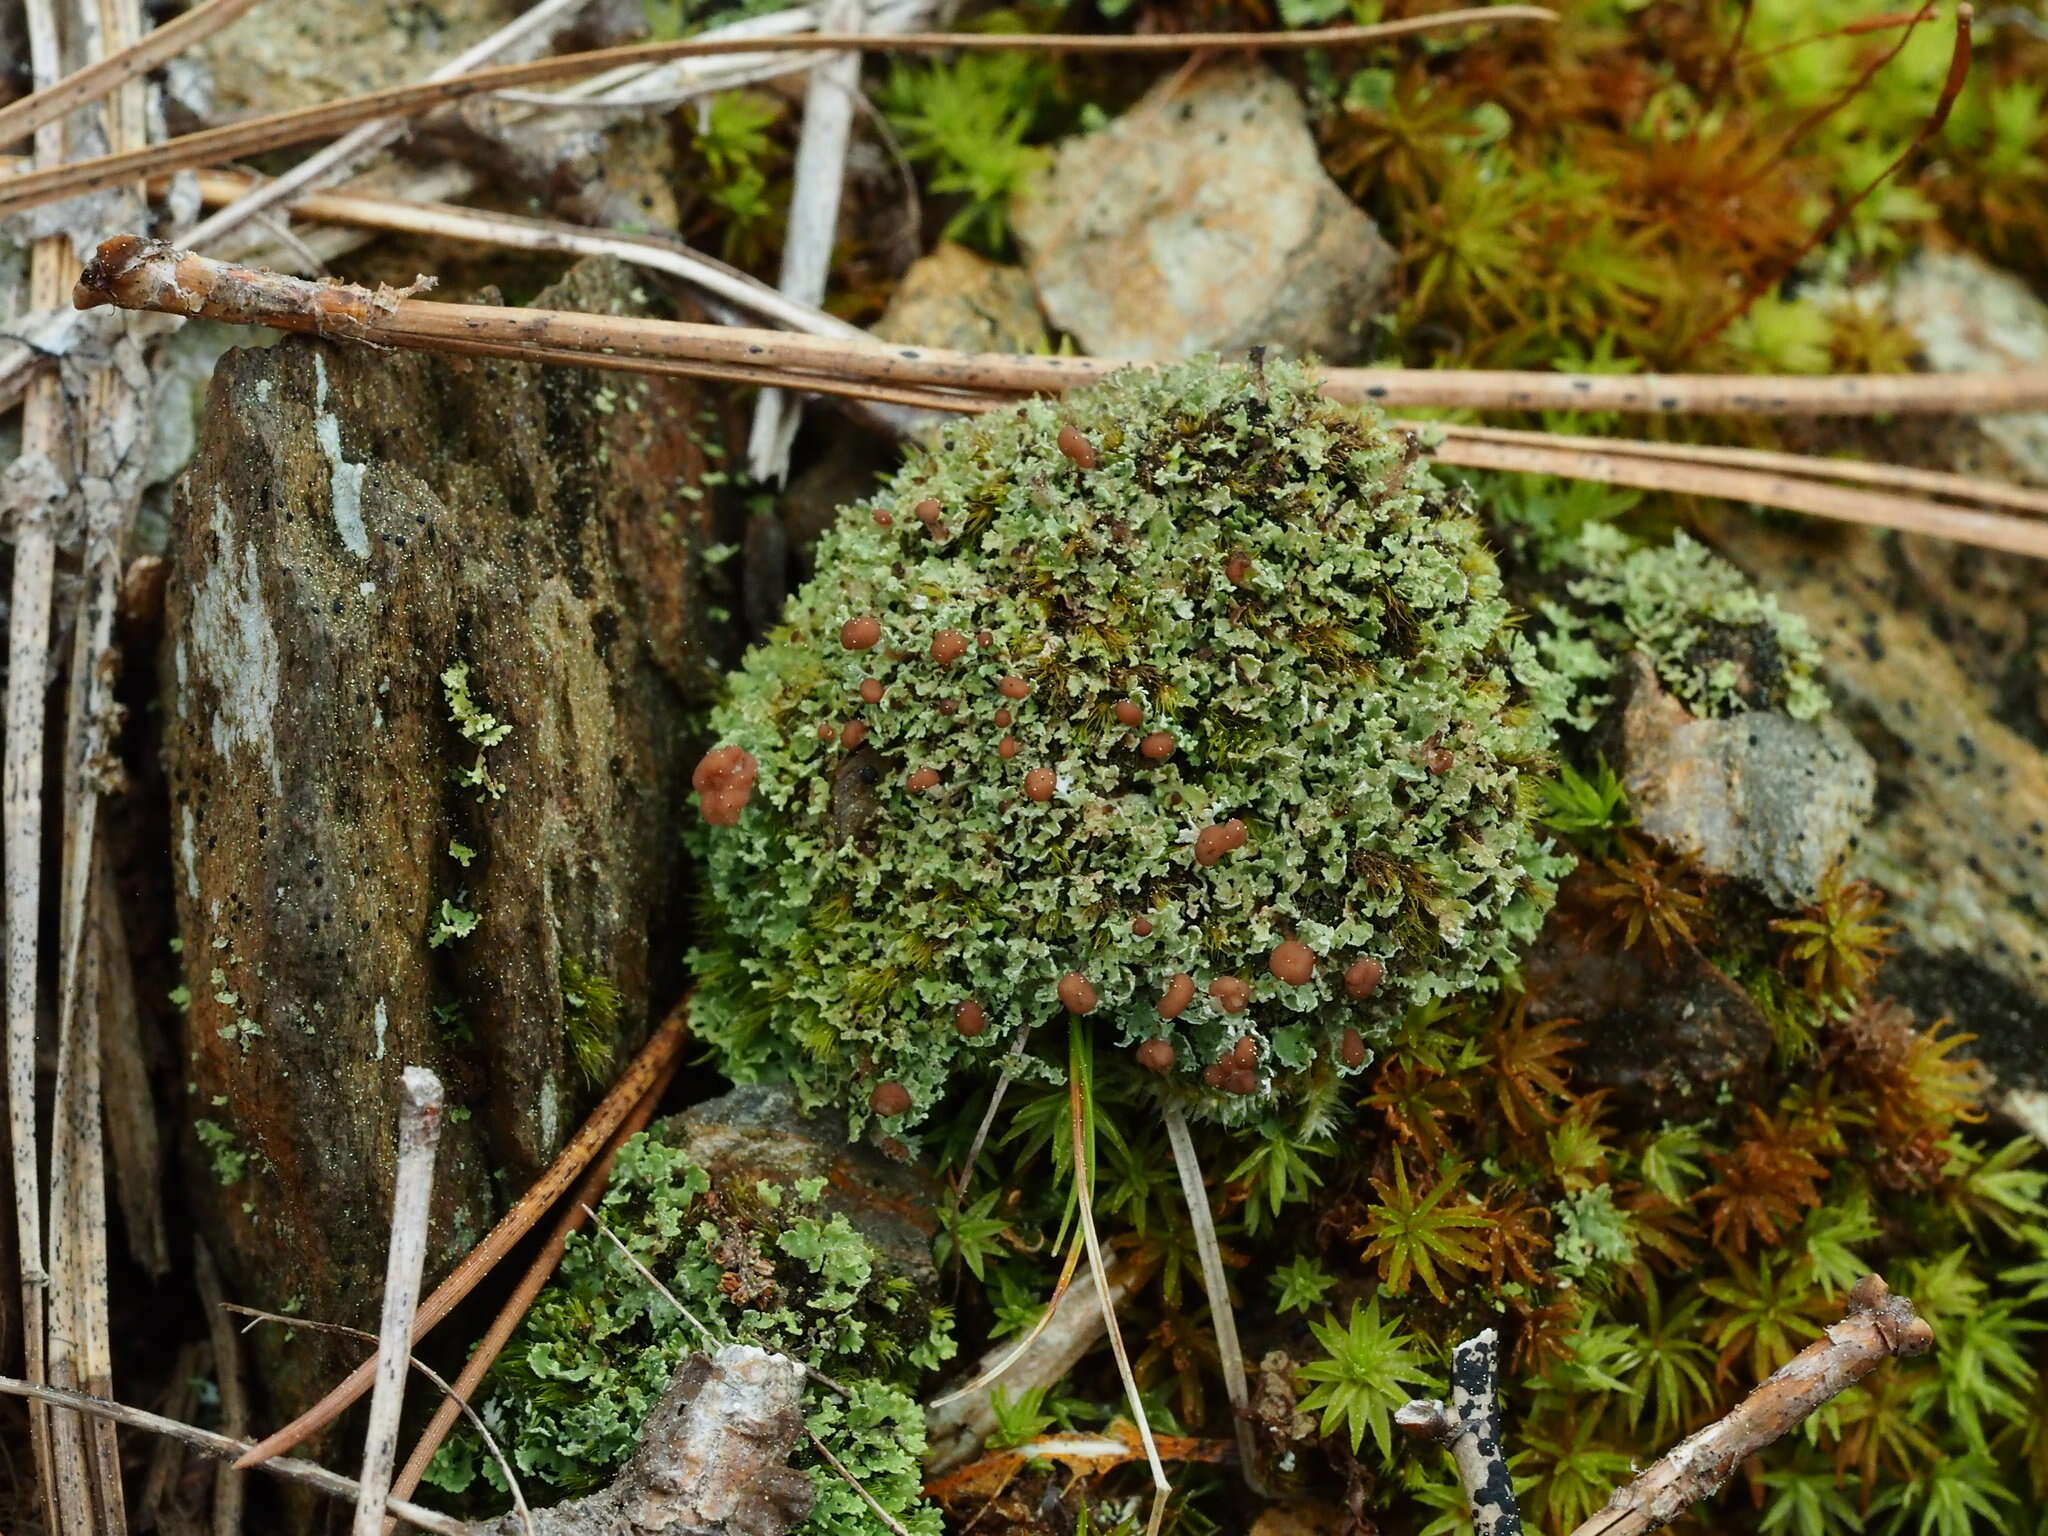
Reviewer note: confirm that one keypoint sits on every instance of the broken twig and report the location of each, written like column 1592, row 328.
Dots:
column 1878, row 1326
column 419, row 1136
column 1470, row 1428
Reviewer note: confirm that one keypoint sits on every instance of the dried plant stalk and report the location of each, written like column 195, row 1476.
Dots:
column 656, row 1056
column 234, row 141
column 211, row 1444
column 419, row 1137
column 1878, row 1326
column 19, row 119
column 1223, row 1317
column 141, row 274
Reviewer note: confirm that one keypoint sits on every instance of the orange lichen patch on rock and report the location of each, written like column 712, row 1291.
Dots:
column 1158, row 746
column 1142, row 927
column 922, row 780
column 1077, row 448
column 1362, row 978
column 1077, row 993
column 852, row 734
column 1351, row 1049
column 871, row 690
column 1180, row 991
column 1292, row 962
column 1129, row 712
column 1039, row 784
column 1156, row 1056
column 1008, row 748
column 948, row 646
column 889, row 1100
column 724, row 781
column 1013, row 688
column 969, row 1019
column 1232, row 993
column 860, row 634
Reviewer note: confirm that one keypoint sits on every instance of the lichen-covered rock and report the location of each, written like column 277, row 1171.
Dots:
column 1757, row 796
column 429, row 655
column 954, row 298
column 760, row 1255
column 1202, row 220
column 1189, row 705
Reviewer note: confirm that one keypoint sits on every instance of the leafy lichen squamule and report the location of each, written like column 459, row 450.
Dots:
column 1192, row 677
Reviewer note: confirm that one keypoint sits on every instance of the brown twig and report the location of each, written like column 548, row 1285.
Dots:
column 523, row 1296
column 1878, row 1326
column 134, row 273
column 228, row 1485
column 419, row 1138
column 332, row 1483
column 235, row 141
column 655, row 1056
column 19, row 119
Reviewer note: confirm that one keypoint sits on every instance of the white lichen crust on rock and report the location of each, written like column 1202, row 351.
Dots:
column 1190, row 704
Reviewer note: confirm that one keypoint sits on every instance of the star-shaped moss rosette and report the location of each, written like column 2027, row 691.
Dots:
column 1189, row 703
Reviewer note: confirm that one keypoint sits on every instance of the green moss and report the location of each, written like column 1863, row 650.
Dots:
column 766, row 1265
column 590, row 1016
column 1357, row 697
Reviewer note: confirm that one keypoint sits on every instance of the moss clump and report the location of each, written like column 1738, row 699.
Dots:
column 1158, row 681
column 767, row 1265
column 1717, row 643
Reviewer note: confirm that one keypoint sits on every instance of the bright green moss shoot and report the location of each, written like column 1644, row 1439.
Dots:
column 1275, row 582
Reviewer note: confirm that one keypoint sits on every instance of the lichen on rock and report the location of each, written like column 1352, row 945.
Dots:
column 764, row 1261
column 1193, row 676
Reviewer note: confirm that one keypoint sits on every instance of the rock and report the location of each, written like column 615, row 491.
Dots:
column 1757, row 796
column 1969, row 317
column 1200, row 221
column 355, row 523
column 758, row 1132
column 1959, row 837
column 1663, row 1038
column 954, row 298
column 281, row 56
column 713, row 1458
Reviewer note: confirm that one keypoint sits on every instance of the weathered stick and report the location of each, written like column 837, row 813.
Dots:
column 1878, row 1326
column 419, row 1137
column 228, row 1484
column 1470, row 1429
column 655, row 1056
column 18, row 119
column 134, row 273
column 234, row 141
column 36, row 489
column 222, row 1445
column 141, row 274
